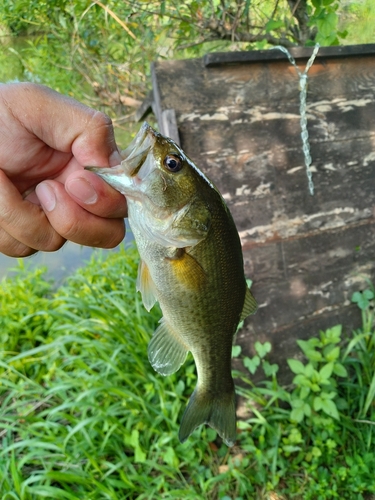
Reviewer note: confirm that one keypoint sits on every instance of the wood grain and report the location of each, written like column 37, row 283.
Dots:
column 238, row 119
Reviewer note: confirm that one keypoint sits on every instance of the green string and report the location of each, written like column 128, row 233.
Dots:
column 302, row 108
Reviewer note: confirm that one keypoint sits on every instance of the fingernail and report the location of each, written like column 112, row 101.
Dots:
column 80, row 188
column 46, row 196
column 115, row 159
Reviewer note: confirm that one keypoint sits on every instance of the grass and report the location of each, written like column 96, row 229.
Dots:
column 84, row 416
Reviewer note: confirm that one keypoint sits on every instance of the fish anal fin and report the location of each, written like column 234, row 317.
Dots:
column 166, row 350
column 146, row 286
column 250, row 305
column 218, row 412
column 187, row 270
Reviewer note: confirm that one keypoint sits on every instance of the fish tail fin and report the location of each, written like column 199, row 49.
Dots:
column 218, row 411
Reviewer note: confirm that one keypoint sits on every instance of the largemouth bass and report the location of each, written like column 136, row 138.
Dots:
column 191, row 263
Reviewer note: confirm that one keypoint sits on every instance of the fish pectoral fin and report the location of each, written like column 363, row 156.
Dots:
column 250, row 305
column 166, row 351
column 187, row 270
column 146, row 286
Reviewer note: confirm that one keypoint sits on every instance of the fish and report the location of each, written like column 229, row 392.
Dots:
column 191, row 263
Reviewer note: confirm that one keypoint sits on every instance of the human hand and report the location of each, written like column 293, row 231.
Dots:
column 46, row 197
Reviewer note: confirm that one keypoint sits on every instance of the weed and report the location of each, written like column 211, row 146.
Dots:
column 83, row 415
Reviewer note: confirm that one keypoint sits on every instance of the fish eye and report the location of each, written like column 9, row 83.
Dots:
column 173, row 163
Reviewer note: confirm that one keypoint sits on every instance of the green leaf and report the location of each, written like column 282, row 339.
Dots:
column 342, row 404
column 251, row 363
column 307, row 345
column 327, row 24
column 317, row 403
column 370, row 396
column 313, row 355
column 316, row 452
column 340, row 370
column 236, row 351
column 326, row 371
column 329, row 395
column 332, row 335
column 315, row 387
column 309, row 370
column 133, row 440
column 305, row 391
column 368, row 294
column 297, row 415
column 273, row 25
column 331, row 353
column 297, row 403
column 362, row 299
column 169, row 457
column 307, row 409
column 262, row 349
column 296, row 366
column 269, row 369
column 329, row 407
column 301, row 381
column 289, row 448
column 211, row 434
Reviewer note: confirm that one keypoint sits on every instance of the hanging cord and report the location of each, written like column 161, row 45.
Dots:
column 302, row 108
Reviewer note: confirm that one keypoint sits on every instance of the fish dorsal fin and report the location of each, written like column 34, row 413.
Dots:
column 250, row 305
column 166, row 350
column 146, row 286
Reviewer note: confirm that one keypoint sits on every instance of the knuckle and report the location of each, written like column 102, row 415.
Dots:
column 7, row 215
column 14, row 248
column 115, row 237
column 100, row 120
column 24, row 251
column 42, row 237
column 68, row 229
column 54, row 243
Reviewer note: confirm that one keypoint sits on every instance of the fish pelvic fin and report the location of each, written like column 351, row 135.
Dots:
column 218, row 411
column 250, row 305
column 166, row 350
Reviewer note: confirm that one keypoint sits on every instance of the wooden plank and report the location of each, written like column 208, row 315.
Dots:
column 268, row 194
column 283, row 341
column 245, row 86
column 242, row 57
column 168, row 124
column 240, row 124
column 307, row 294
column 265, row 127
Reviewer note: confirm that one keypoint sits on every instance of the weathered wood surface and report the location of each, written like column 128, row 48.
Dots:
column 240, row 123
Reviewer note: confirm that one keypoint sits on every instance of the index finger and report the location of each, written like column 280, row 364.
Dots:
column 63, row 123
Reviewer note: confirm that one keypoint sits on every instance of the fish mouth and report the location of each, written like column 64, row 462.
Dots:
column 134, row 156
column 137, row 163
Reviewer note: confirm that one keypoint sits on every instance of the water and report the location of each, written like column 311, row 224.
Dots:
column 61, row 263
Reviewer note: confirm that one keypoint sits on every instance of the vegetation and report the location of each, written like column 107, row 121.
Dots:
column 83, row 414
column 100, row 52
